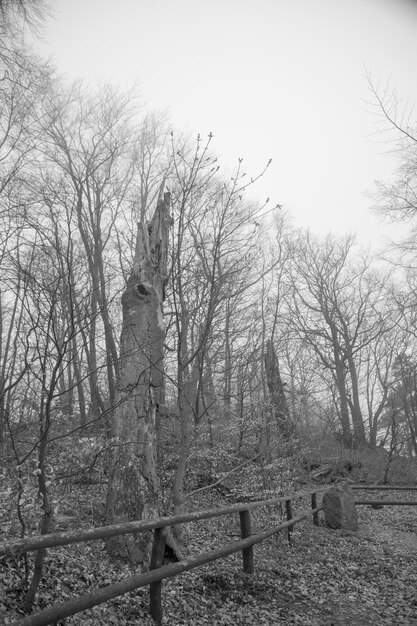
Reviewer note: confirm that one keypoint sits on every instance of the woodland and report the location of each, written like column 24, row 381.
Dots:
column 167, row 341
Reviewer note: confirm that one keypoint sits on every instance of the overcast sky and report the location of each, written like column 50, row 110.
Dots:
column 280, row 79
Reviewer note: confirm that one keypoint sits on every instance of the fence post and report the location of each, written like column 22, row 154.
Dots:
column 314, row 506
column 288, row 508
column 157, row 558
column 246, row 531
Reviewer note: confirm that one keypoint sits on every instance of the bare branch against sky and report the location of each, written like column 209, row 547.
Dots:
column 270, row 79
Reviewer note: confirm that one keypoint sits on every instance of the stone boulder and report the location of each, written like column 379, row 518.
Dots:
column 339, row 507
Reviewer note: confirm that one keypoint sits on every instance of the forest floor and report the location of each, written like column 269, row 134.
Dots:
column 326, row 578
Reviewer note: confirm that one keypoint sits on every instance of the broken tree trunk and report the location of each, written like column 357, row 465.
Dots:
column 279, row 405
column 133, row 491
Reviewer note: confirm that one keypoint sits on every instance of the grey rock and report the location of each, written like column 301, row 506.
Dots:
column 339, row 507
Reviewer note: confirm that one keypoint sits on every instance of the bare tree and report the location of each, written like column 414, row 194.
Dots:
column 397, row 199
column 214, row 250
column 43, row 342
column 335, row 307
column 88, row 171
column 20, row 91
column 15, row 14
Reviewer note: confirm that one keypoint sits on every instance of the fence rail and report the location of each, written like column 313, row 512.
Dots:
column 385, row 487
column 380, row 503
column 159, row 572
column 103, row 532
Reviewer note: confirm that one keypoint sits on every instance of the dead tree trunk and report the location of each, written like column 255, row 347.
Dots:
column 133, row 491
column 279, row 406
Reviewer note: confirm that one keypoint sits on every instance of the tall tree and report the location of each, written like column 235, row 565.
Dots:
column 214, row 250
column 335, row 308
column 23, row 81
column 88, row 171
column 44, row 339
column 402, row 400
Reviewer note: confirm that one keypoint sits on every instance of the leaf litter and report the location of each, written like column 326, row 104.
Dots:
column 326, row 578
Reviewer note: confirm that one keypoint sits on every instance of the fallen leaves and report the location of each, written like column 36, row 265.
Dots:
column 327, row 578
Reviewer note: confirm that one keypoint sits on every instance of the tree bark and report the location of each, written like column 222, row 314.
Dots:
column 133, row 491
column 357, row 418
column 340, row 380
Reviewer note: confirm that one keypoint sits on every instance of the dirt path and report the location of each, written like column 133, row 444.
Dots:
column 393, row 527
column 375, row 571
column 328, row 578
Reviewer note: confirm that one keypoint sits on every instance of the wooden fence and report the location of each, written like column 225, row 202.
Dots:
column 158, row 571
column 379, row 503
